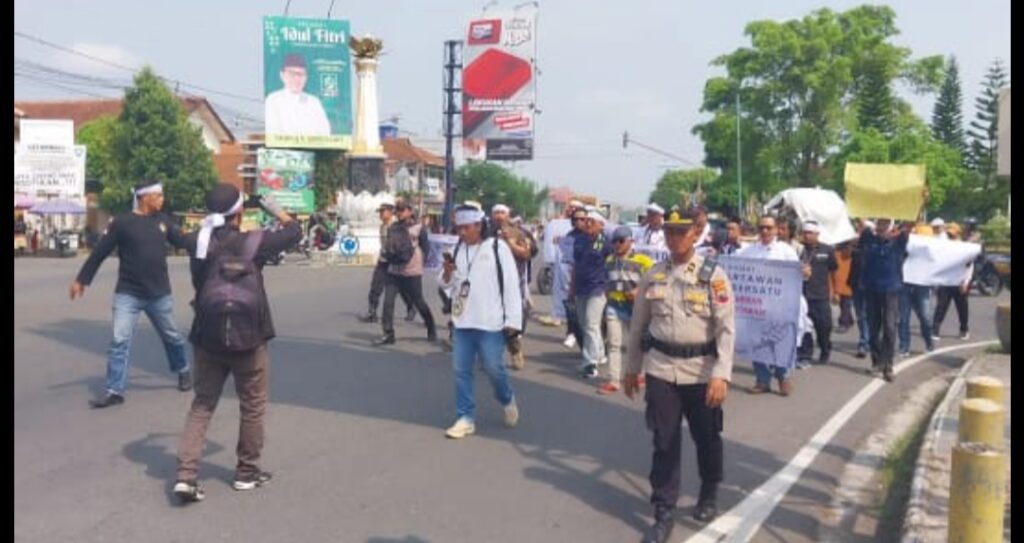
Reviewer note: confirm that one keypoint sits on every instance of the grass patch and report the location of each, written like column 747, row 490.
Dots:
column 995, row 349
column 896, row 476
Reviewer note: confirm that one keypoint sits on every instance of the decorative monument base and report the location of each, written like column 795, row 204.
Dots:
column 359, row 213
column 366, row 174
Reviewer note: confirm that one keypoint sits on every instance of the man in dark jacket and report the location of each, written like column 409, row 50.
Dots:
column 143, row 286
column 249, row 368
column 883, row 251
column 405, row 250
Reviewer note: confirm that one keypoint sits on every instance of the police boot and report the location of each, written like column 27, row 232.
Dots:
column 707, row 508
column 664, row 522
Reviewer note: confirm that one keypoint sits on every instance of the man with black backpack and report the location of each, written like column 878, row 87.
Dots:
column 230, row 331
column 406, row 245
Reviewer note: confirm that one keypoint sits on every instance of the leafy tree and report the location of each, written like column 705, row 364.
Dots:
column 804, row 88
column 491, row 184
column 97, row 136
column 329, row 175
column 675, row 185
column 154, row 140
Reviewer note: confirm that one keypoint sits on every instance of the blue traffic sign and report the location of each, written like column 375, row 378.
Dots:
column 349, row 245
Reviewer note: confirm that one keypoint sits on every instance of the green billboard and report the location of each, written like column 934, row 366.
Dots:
column 307, row 77
column 288, row 177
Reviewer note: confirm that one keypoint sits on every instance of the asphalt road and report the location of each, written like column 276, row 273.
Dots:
column 355, row 434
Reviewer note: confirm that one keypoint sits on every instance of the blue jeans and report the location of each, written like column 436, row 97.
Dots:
column 126, row 316
column 489, row 347
column 764, row 373
column 860, row 309
column 590, row 310
column 916, row 298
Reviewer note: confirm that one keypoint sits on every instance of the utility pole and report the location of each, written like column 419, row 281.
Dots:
column 452, row 86
column 626, row 140
column 739, row 160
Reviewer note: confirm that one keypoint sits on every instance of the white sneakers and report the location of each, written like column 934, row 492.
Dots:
column 465, row 427
column 511, row 413
column 570, row 342
column 462, row 428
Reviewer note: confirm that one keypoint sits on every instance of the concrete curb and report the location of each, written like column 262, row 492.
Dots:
column 847, row 518
column 915, row 506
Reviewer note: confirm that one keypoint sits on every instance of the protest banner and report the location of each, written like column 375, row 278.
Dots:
column 937, row 262
column 820, row 205
column 767, row 295
column 887, row 191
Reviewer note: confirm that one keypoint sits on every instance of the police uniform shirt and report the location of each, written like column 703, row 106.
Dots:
column 676, row 307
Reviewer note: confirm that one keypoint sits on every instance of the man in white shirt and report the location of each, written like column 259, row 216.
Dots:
column 290, row 111
column 652, row 234
column 486, row 308
column 768, row 247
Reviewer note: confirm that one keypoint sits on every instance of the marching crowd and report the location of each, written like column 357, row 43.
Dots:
column 667, row 326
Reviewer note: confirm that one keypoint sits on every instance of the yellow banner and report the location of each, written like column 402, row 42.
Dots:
column 888, row 191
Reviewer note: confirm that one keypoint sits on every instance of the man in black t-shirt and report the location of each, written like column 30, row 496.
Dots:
column 819, row 261
column 140, row 238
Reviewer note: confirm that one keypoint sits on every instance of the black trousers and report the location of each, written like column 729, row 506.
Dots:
column 667, row 404
column 943, row 296
column 411, row 288
column 820, row 313
column 846, row 311
column 380, row 279
column 883, row 317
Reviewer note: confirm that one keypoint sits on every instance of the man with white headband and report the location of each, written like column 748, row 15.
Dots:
column 524, row 248
column 819, row 261
column 486, row 309
column 141, row 239
column 230, row 331
column 590, row 251
column 653, row 235
column 939, row 228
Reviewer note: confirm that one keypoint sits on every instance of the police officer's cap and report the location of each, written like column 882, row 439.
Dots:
column 680, row 221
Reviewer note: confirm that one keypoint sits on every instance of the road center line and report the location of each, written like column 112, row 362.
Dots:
column 740, row 523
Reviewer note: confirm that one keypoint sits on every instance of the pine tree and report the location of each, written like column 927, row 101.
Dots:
column 985, row 128
column 947, row 117
column 876, row 105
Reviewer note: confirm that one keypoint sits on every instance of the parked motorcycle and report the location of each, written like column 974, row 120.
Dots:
column 986, row 277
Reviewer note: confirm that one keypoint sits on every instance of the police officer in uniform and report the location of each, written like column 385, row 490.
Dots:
column 682, row 336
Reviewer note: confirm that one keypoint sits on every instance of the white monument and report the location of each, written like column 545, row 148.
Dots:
column 366, row 187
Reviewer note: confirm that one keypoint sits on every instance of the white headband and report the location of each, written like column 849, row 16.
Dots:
column 152, row 189
column 656, row 209
column 468, row 216
column 812, row 227
column 500, row 208
column 212, row 222
column 596, row 216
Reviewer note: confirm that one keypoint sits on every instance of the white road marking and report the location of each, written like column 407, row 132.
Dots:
column 740, row 523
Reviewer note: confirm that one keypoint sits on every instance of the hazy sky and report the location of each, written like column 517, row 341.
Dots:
column 606, row 66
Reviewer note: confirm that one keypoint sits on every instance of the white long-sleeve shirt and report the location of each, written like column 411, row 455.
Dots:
column 295, row 114
column 483, row 309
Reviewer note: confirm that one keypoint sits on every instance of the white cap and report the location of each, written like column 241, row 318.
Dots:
column 597, row 216
column 500, row 208
column 655, row 208
column 812, row 226
column 387, row 200
column 937, row 221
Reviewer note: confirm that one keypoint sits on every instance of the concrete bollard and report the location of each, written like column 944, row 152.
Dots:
column 986, row 387
column 977, row 494
column 981, row 421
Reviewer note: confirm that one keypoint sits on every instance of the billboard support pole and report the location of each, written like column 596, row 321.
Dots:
column 452, row 66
